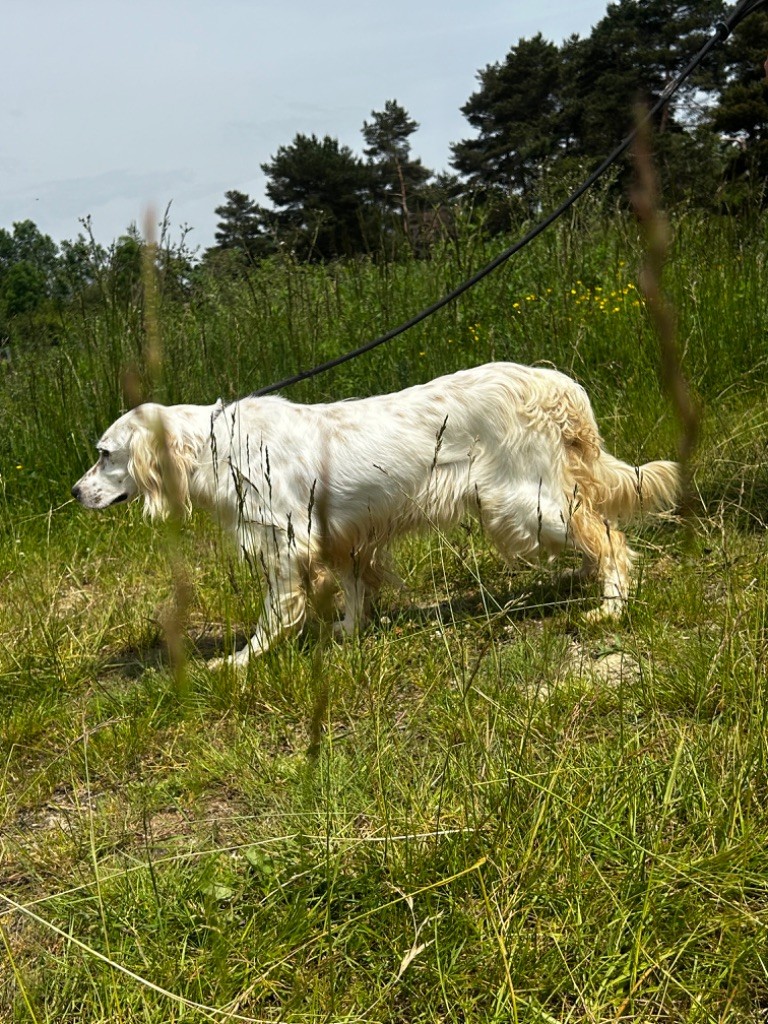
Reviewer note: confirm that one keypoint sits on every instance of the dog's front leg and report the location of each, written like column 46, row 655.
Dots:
column 284, row 612
column 356, row 603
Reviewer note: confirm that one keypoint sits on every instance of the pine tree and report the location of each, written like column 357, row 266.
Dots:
column 741, row 115
column 323, row 194
column 243, row 227
column 546, row 107
column 397, row 179
column 632, row 55
column 516, row 114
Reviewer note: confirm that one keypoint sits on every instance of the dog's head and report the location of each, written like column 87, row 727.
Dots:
column 144, row 453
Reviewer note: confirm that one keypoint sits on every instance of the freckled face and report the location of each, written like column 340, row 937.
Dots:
column 108, row 482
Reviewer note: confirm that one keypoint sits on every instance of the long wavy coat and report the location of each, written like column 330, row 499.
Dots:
column 315, row 494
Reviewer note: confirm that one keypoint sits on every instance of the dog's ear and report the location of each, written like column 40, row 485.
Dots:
column 160, row 463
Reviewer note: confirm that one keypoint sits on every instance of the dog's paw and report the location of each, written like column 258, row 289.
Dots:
column 231, row 662
column 577, row 574
column 611, row 609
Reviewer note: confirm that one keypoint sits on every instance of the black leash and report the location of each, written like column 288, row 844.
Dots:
column 721, row 32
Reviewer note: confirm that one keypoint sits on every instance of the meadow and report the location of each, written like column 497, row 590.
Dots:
column 484, row 808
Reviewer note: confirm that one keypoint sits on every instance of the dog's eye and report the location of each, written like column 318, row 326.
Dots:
column 103, row 453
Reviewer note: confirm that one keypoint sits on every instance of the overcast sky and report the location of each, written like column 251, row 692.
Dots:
column 110, row 108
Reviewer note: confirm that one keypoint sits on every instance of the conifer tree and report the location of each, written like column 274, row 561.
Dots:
column 323, row 195
column 516, row 113
column 243, row 226
column 397, row 178
column 741, row 115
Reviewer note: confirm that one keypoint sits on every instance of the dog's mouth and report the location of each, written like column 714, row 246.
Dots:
column 120, row 498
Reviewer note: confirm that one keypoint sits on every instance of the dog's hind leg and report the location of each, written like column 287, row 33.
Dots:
column 537, row 522
column 607, row 557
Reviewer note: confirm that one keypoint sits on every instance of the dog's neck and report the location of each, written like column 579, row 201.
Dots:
column 196, row 425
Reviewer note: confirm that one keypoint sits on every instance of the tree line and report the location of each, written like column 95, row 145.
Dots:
column 540, row 120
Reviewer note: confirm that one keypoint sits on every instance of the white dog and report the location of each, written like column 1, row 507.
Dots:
column 314, row 494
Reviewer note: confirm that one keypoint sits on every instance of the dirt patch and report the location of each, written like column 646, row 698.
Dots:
column 611, row 666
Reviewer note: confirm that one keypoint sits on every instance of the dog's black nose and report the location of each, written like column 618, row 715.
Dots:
column 76, row 493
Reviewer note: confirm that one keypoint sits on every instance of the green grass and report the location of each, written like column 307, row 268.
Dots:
column 485, row 808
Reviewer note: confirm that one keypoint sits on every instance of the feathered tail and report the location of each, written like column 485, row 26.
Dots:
column 624, row 491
